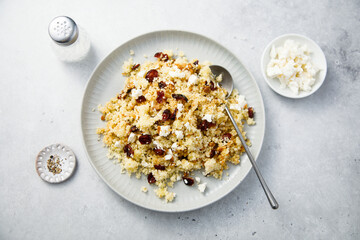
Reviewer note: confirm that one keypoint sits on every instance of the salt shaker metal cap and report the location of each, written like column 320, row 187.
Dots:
column 63, row 30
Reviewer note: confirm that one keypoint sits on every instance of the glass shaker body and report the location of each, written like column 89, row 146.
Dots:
column 70, row 42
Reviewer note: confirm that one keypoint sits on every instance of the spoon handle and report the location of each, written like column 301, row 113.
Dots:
column 274, row 204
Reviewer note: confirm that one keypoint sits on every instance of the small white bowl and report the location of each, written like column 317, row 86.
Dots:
column 67, row 158
column 317, row 58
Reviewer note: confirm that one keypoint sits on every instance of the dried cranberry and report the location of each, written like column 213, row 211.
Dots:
column 179, row 97
column 166, row 114
column 128, row 150
column 212, row 153
column 251, row 112
column 103, row 117
column 173, row 116
column 150, row 75
column 165, row 57
column 159, row 167
column 145, row 139
column 207, row 89
column 119, row 96
column 160, row 96
column 151, row 179
column 162, row 84
column 227, row 136
column 135, row 66
column 141, row 99
column 133, row 129
column 196, row 62
column 159, row 151
column 212, row 86
column 204, row 125
column 162, row 56
column 188, row 181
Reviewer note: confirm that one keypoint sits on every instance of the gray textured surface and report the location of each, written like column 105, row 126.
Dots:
column 310, row 156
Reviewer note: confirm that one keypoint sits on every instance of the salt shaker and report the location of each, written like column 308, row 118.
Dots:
column 70, row 42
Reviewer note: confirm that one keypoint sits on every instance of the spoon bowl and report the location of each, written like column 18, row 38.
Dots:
column 227, row 83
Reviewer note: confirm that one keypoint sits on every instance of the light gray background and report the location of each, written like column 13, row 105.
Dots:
column 310, row 157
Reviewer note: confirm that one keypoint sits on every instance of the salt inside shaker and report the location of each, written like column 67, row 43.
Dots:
column 70, row 42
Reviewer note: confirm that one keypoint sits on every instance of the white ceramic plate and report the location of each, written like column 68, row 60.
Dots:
column 107, row 81
column 317, row 56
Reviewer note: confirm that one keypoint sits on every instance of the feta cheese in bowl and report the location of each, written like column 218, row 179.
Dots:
column 294, row 66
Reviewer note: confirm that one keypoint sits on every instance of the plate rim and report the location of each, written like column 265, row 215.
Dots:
column 217, row 198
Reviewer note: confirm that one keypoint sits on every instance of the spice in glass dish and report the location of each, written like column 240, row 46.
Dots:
column 54, row 164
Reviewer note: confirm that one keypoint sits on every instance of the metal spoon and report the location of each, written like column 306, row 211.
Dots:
column 227, row 83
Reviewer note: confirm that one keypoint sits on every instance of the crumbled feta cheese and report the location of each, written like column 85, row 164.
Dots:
column 117, row 144
column 164, row 131
column 208, row 117
column 136, row 93
column 291, row 64
column 219, row 79
column 193, row 79
column 240, row 105
column 144, row 164
column 202, row 187
column 241, row 100
column 197, row 179
column 144, row 189
column 294, row 86
column 132, row 138
column 187, row 125
column 174, row 147
column 157, row 145
column 168, row 155
column 176, row 73
column 180, row 107
column 179, row 134
column 141, row 74
column 235, row 107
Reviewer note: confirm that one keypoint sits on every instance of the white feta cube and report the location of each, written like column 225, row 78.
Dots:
column 193, row 79
column 179, row 134
column 136, row 93
column 132, row 138
column 208, row 117
column 164, row 131
column 201, row 187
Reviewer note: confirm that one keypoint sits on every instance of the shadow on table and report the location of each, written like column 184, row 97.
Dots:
column 83, row 68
